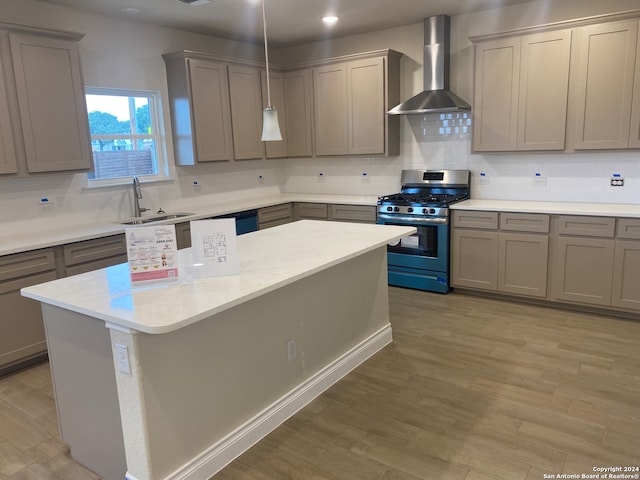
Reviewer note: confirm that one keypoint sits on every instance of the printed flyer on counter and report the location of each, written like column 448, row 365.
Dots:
column 152, row 252
column 214, row 247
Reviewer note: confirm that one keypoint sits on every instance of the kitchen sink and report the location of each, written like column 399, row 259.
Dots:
column 155, row 218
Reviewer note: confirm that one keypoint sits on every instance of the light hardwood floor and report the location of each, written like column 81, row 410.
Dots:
column 471, row 388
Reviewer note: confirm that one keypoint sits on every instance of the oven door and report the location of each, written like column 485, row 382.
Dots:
column 427, row 249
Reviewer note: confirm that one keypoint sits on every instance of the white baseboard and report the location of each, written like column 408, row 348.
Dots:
column 223, row 452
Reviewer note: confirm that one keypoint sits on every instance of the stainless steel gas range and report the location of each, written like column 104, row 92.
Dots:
column 422, row 260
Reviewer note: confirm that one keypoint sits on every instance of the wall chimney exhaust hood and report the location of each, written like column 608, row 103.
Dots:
column 436, row 97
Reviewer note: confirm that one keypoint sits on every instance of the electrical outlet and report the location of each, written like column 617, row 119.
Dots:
column 364, row 178
column 617, row 182
column 122, row 358
column 46, row 204
column 539, row 180
column 260, row 179
column 292, row 350
column 196, row 185
column 321, row 177
column 483, row 179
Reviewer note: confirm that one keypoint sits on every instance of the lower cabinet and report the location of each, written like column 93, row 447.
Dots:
column 522, row 264
column 474, row 260
column 581, row 260
column 626, row 265
column 88, row 255
column 275, row 215
column 583, row 267
column 626, row 275
column 584, row 270
column 352, row 213
column 22, row 336
column 279, row 214
column 505, row 252
column 310, row 211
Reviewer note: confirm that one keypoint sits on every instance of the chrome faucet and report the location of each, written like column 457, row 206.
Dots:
column 137, row 195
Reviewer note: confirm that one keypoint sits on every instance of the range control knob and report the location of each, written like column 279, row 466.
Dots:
column 389, row 209
column 425, row 210
column 410, row 210
column 432, row 211
column 396, row 209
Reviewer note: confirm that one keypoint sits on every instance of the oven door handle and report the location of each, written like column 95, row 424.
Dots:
column 413, row 220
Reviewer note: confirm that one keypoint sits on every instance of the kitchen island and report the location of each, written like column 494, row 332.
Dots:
column 189, row 375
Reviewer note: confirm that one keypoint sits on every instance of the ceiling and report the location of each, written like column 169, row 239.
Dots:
column 289, row 22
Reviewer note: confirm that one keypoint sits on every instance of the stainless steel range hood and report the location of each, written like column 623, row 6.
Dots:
column 436, row 96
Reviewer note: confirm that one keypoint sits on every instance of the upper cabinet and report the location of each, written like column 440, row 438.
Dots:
column 298, row 99
column 331, row 107
column 8, row 163
column 216, row 108
column 43, row 115
column 603, row 85
column 566, row 87
column 277, row 87
column 521, row 87
column 200, row 109
column 351, row 99
column 246, row 111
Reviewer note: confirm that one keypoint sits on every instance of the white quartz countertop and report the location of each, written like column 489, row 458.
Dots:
column 553, row 208
column 269, row 259
column 34, row 234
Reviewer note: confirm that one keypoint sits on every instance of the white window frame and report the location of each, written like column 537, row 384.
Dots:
column 155, row 113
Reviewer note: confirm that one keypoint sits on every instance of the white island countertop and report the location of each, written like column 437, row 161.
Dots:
column 269, row 259
column 552, row 208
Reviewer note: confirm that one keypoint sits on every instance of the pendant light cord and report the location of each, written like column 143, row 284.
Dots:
column 266, row 54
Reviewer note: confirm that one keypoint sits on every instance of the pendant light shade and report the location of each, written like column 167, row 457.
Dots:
column 270, row 125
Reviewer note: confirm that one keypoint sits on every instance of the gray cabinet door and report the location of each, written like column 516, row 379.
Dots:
column 330, row 109
column 246, row 111
column 276, row 149
column 211, row 113
column 298, row 100
column 603, row 83
column 366, row 106
column 8, row 162
column 522, row 264
column 584, row 269
column 51, row 100
column 626, row 275
column 474, row 259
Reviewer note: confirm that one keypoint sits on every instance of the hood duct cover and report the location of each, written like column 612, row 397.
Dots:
column 436, row 96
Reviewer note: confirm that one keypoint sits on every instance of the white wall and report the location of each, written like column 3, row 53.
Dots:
column 120, row 53
column 570, row 177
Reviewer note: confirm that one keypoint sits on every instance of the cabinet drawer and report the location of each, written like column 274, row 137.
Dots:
column 524, row 222
column 475, row 219
column 96, row 249
column 629, row 228
column 318, row 211
column 275, row 213
column 587, row 226
column 21, row 264
column 353, row 213
column 95, row 265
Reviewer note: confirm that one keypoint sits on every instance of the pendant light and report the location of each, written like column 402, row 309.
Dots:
column 270, row 126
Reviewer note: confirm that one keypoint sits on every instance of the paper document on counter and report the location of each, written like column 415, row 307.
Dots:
column 214, row 247
column 152, row 253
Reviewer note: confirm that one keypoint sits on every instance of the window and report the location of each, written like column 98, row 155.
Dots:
column 126, row 138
